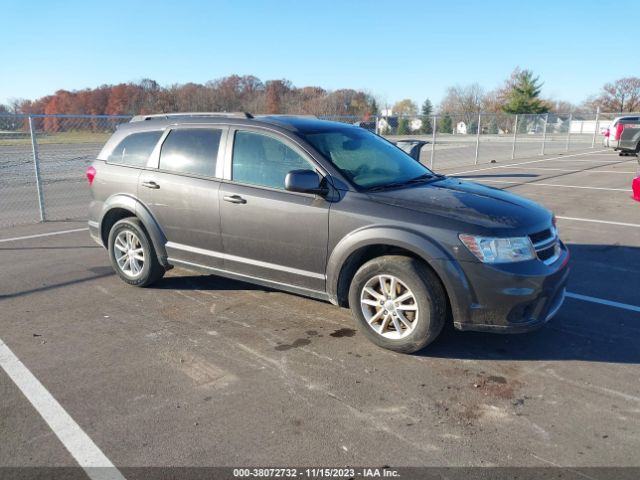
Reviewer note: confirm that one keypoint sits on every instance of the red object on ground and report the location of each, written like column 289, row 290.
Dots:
column 635, row 186
column 91, row 174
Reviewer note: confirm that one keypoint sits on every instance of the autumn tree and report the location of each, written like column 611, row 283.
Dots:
column 405, row 107
column 275, row 91
column 226, row 94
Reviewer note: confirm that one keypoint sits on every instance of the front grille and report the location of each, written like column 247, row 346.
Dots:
column 546, row 244
column 547, row 253
column 540, row 236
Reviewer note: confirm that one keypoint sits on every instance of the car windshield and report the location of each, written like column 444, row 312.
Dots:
column 366, row 159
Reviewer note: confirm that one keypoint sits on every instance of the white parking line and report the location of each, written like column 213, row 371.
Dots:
column 593, row 220
column 590, row 161
column 575, row 171
column 537, row 184
column 602, row 301
column 96, row 465
column 27, row 237
column 529, row 162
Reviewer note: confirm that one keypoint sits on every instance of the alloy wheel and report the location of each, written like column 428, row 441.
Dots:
column 129, row 253
column 389, row 307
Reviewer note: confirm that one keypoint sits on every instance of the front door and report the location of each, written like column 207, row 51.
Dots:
column 268, row 232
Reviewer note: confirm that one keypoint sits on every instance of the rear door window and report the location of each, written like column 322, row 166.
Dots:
column 192, row 151
column 134, row 150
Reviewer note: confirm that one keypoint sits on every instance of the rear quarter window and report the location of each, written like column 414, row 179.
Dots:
column 134, row 150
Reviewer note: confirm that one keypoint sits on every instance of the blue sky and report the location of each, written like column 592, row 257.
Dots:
column 395, row 50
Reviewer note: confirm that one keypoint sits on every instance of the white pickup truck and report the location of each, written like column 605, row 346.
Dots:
column 613, row 134
column 629, row 141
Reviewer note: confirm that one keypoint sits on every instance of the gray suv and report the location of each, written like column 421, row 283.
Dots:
column 329, row 211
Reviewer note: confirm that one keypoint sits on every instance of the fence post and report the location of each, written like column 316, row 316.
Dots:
column 376, row 120
column 515, row 134
column 569, row 132
column 36, row 164
column 478, row 139
column 433, row 142
column 596, row 128
column 544, row 132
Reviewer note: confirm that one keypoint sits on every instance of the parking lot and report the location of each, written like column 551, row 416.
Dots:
column 202, row 371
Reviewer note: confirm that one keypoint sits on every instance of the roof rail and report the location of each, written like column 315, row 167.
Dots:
column 303, row 115
column 142, row 118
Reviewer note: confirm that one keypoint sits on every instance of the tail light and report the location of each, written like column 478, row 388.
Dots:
column 635, row 186
column 91, row 174
column 619, row 129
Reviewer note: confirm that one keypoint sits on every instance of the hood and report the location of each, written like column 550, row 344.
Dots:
column 470, row 203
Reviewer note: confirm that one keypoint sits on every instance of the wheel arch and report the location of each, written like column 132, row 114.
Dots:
column 360, row 247
column 121, row 206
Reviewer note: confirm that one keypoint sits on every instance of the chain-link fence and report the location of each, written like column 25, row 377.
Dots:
column 475, row 138
column 43, row 157
column 42, row 163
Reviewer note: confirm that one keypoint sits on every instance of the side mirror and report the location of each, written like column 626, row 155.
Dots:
column 304, row 181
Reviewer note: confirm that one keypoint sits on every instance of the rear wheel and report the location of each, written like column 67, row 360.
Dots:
column 398, row 302
column 132, row 254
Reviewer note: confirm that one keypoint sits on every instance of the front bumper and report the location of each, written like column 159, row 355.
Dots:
column 514, row 298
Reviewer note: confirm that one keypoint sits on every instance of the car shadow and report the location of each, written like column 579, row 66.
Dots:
column 582, row 331
column 205, row 282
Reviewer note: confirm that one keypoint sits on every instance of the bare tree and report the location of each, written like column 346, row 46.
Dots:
column 467, row 100
column 623, row 95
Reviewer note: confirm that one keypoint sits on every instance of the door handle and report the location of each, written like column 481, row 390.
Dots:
column 234, row 199
column 153, row 185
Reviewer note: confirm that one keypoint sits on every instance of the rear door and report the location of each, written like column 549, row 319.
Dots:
column 182, row 193
column 268, row 232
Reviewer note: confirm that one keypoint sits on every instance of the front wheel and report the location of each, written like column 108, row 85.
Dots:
column 132, row 254
column 399, row 303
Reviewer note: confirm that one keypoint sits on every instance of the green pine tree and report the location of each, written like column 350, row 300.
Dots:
column 373, row 107
column 403, row 126
column 524, row 95
column 427, row 109
column 445, row 124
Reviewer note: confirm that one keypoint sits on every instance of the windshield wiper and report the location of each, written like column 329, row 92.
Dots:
column 418, row 179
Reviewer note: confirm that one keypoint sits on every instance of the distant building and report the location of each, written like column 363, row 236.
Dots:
column 387, row 125
column 461, row 128
column 415, row 124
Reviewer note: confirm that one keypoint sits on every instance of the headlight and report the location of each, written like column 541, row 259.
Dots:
column 499, row 250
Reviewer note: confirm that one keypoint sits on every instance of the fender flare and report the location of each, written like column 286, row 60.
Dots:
column 454, row 280
column 131, row 204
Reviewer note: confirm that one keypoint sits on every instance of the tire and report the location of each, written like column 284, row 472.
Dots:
column 142, row 267
column 427, row 295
